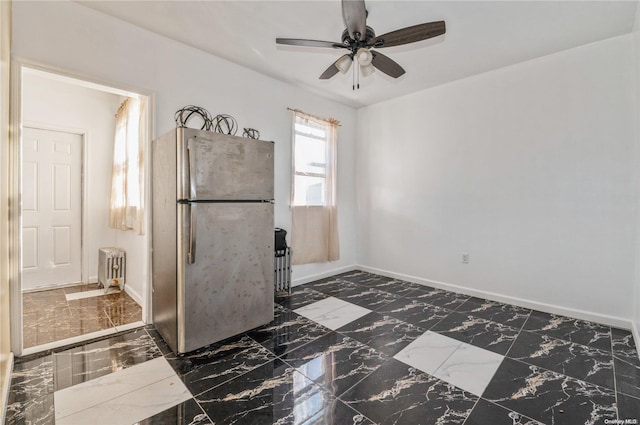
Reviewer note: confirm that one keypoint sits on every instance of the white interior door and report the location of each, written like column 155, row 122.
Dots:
column 51, row 208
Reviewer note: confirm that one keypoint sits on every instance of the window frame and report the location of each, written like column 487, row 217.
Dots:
column 325, row 125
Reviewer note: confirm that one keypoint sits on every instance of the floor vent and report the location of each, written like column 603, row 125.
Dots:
column 111, row 268
column 282, row 278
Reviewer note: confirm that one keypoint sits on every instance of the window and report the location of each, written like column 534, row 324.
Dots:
column 314, row 214
column 126, row 209
column 311, row 151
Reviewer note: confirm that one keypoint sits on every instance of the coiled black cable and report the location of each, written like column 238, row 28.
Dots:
column 225, row 124
column 183, row 116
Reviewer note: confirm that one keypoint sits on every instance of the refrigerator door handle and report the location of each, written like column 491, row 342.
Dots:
column 191, row 157
column 191, row 254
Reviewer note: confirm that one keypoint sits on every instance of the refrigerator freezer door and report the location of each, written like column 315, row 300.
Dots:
column 225, row 168
column 228, row 287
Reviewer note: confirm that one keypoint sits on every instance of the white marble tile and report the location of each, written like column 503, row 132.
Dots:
column 428, row 352
column 338, row 318
column 332, row 312
column 128, row 326
column 90, row 294
column 134, row 406
column 318, row 308
column 71, row 400
column 470, row 368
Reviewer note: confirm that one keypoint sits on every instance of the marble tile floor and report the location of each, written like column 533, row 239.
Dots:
column 356, row 348
column 57, row 314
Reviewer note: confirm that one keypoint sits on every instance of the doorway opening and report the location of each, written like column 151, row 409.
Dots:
column 63, row 176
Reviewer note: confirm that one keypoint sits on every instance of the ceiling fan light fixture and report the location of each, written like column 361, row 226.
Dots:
column 367, row 70
column 364, row 57
column 344, row 63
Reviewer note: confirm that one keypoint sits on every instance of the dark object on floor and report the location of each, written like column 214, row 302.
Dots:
column 281, row 241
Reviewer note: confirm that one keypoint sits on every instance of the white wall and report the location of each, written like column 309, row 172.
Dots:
column 6, row 357
column 82, row 41
column 61, row 105
column 636, row 62
column 531, row 169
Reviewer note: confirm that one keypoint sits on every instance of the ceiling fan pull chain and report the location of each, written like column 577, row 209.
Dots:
column 353, row 76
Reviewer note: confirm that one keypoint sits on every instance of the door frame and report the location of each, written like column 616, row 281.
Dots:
column 18, row 66
column 84, row 231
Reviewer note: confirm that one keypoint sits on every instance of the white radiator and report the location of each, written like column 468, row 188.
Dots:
column 282, row 278
column 111, row 268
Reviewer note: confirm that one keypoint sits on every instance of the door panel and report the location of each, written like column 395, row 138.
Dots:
column 62, row 187
column 51, row 208
column 228, row 289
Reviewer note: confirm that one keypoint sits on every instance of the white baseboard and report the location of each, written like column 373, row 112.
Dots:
column 618, row 322
column 50, row 287
column 6, row 387
column 133, row 294
column 307, row 279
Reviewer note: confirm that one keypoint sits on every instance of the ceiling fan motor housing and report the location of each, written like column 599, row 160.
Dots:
column 356, row 44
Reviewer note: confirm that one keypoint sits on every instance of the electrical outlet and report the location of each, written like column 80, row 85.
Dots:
column 465, row 257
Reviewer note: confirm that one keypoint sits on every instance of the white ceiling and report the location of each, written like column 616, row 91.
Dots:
column 481, row 36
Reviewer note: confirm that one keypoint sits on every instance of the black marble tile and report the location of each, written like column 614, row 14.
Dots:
column 30, row 398
column 287, row 331
column 628, row 408
column 383, row 283
column 496, row 312
column 624, row 347
column 185, row 363
column 32, row 378
column 382, row 332
column 627, row 377
column 575, row 360
column 370, row 298
column 333, row 287
column 485, row 413
column 358, row 276
column 33, row 410
column 415, row 312
column 438, row 297
column 224, row 363
column 336, row 412
column 157, row 338
column 479, row 332
column 186, row 413
column 395, row 286
column 398, row 394
column 335, row 361
column 299, row 297
column 574, row 330
column 90, row 361
column 549, row 397
column 273, row 393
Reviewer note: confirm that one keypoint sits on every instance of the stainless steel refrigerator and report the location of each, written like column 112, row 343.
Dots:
column 212, row 255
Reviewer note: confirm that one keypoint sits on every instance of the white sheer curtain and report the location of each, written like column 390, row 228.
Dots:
column 314, row 232
column 126, row 210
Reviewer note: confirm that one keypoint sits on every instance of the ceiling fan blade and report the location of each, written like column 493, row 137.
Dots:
column 309, row 43
column 387, row 65
column 333, row 69
column 355, row 18
column 410, row 34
